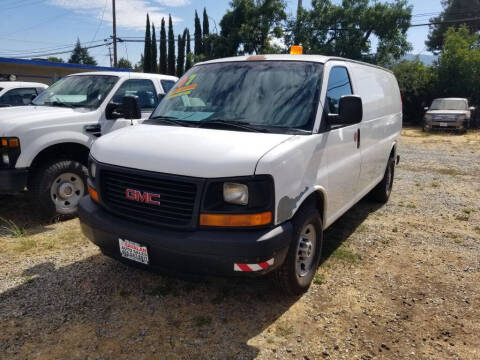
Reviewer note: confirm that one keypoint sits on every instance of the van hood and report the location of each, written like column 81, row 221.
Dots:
column 15, row 117
column 206, row 153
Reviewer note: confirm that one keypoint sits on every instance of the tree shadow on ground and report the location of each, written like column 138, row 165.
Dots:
column 99, row 307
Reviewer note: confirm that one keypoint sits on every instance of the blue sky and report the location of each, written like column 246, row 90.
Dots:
column 52, row 25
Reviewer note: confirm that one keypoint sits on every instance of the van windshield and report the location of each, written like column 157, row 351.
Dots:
column 448, row 104
column 87, row 91
column 273, row 95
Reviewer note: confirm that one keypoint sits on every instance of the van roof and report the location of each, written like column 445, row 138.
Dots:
column 129, row 74
column 287, row 57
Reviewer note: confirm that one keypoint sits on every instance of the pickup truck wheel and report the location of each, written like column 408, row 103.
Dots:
column 58, row 186
column 382, row 191
column 296, row 273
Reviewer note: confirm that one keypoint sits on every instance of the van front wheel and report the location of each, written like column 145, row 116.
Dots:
column 296, row 273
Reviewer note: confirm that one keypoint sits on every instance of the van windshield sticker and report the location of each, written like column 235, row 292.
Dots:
column 190, row 115
column 184, row 87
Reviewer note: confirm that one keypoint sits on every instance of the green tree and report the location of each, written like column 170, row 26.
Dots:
column 139, row 66
column 147, row 52
column 189, row 56
column 80, row 55
column 181, row 55
column 154, row 51
column 416, row 83
column 124, row 64
column 163, row 48
column 347, row 29
column 206, row 33
column 171, row 48
column 453, row 10
column 198, row 36
column 55, row 59
column 458, row 69
column 249, row 26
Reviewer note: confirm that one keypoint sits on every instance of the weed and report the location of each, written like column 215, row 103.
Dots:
column 468, row 211
column 202, row 320
column 362, row 228
column 395, row 229
column 458, row 240
column 26, row 244
column 270, row 340
column 284, row 330
column 345, row 255
column 449, row 171
column 401, row 203
column 318, row 279
column 12, row 229
column 435, row 184
column 29, row 279
column 411, row 206
column 462, row 217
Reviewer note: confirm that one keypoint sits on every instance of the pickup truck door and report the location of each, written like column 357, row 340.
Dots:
column 342, row 144
column 147, row 95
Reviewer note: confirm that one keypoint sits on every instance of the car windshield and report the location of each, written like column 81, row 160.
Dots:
column 274, row 95
column 448, row 104
column 77, row 91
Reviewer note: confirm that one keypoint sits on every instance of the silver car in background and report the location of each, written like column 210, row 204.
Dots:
column 448, row 113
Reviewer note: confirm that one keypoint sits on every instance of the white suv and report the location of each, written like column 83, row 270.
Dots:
column 45, row 146
column 243, row 165
column 19, row 93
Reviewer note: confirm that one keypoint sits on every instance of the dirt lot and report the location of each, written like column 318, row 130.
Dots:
column 400, row 281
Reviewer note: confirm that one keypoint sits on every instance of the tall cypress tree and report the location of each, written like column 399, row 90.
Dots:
column 163, row 48
column 181, row 55
column 188, row 60
column 171, row 48
column 147, row 52
column 206, row 25
column 198, row 36
column 154, row 51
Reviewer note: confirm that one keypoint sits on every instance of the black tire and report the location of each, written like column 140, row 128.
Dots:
column 42, row 182
column 382, row 191
column 286, row 276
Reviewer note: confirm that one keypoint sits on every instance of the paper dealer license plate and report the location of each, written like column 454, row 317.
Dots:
column 133, row 251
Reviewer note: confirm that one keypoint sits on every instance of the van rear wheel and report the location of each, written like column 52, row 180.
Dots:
column 58, row 186
column 297, row 272
column 382, row 191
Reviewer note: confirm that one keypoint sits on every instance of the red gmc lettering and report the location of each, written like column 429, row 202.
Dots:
column 145, row 197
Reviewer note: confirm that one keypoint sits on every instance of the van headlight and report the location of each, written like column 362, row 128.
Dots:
column 92, row 171
column 234, row 193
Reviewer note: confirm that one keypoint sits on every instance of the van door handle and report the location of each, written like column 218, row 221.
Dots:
column 358, row 139
column 95, row 130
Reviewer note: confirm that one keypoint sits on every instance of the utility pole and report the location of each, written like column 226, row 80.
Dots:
column 115, row 35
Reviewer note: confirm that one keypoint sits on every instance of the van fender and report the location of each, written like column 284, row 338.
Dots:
column 28, row 154
column 288, row 207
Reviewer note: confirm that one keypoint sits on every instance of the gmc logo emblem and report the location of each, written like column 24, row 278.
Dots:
column 142, row 197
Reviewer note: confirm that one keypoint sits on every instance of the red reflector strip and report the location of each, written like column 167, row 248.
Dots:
column 253, row 267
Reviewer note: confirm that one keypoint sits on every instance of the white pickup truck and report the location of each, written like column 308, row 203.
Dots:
column 44, row 147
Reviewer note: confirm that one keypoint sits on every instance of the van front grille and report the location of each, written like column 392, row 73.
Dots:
column 173, row 203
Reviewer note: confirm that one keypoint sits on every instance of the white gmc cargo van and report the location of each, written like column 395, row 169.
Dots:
column 45, row 146
column 243, row 165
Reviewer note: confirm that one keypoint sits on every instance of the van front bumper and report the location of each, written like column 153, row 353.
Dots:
column 13, row 180
column 200, row 252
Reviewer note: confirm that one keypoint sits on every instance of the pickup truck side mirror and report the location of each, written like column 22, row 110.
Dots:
column 350, row 111
column 160, row 97
column 128, row 109
column 426, row 108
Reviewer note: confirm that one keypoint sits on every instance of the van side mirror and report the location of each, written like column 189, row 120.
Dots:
column 471, row 108
column 128, row 109
column 350, row 111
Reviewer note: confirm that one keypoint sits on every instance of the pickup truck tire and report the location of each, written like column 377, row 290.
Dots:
column 58, row 186
column 382, row 191
column 296, row 273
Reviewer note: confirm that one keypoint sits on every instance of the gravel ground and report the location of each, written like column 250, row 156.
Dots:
column 399, row 281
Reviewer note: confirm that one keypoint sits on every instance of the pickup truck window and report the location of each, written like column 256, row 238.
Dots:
column 338, row 85
column 18, row 97
column 87, row 91
column 167, row 85
column 143, row 89
column 274, row 95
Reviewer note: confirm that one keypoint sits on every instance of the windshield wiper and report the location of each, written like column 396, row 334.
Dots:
column 58, row 103
column 170, row 120
column 232, row 123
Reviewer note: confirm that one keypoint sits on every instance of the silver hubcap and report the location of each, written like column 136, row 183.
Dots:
column 66, row 191
column 306, row 250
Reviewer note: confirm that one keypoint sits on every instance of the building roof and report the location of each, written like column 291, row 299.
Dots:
column 57, row 64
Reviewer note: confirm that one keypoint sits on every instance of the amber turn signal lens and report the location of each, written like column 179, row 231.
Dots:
column 13, row 143
column 4, row 142
column 296, row 50
column 243, row 220
column 93, row 193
